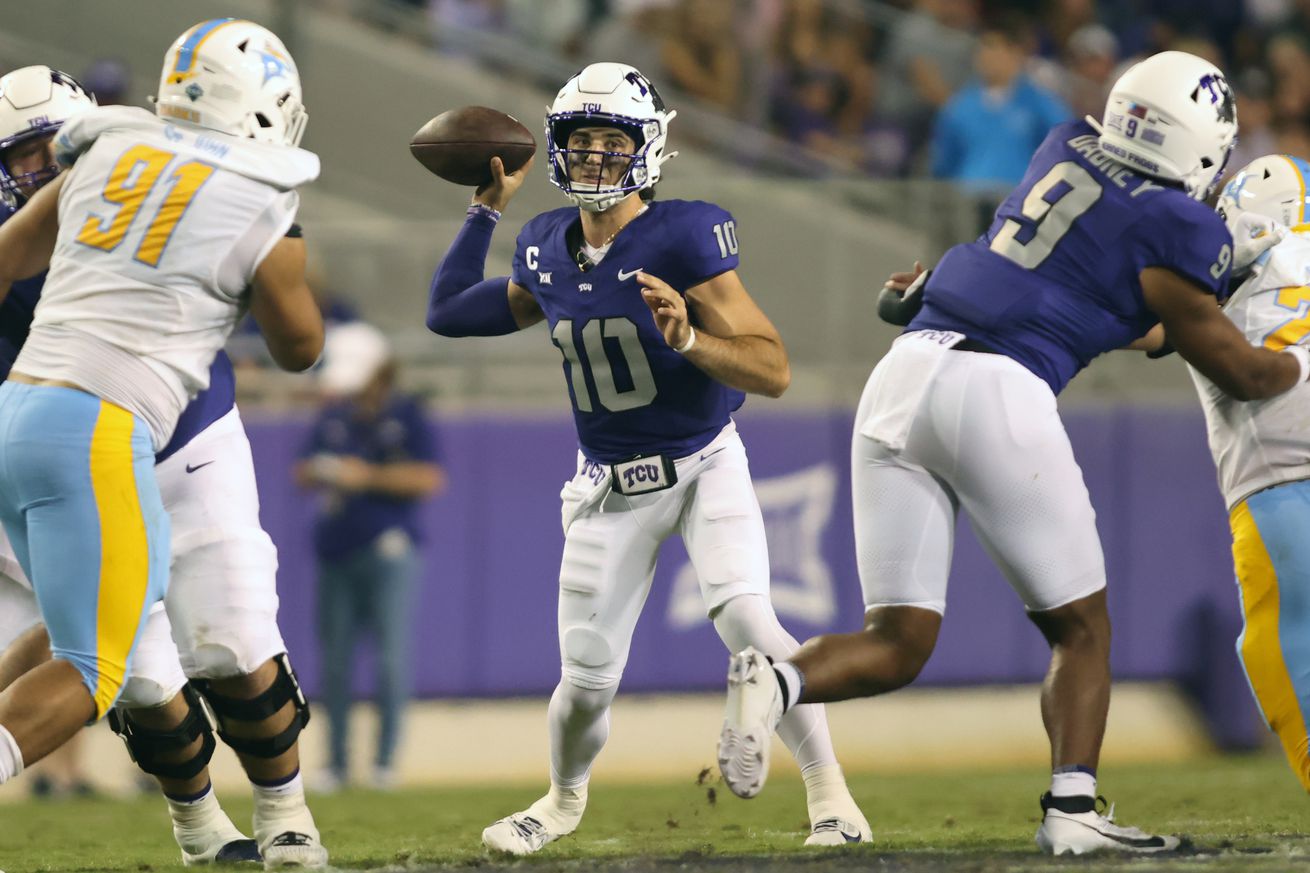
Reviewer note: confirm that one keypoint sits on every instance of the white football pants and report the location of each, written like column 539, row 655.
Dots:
column 940, row 430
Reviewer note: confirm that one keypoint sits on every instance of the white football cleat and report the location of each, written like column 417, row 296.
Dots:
column 294, row 849
column 556, row 815
column 205, row 835
column 1072, row 825
column 287, row 836
column 222, row 846
column 753, row 710
column 836, row 831
column 518, row 834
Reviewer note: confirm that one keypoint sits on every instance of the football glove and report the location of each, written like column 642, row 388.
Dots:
column 899, row 308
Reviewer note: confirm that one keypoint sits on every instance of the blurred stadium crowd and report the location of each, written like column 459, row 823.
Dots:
column 893, row 88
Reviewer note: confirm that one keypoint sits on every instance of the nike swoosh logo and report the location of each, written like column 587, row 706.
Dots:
column 713, row 453
column 1149, row 842
column 191, row 469
column 623, row 277
column 832, row 824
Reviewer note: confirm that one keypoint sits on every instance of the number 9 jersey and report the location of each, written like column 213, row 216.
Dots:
column 161, row 228
column 1055, row 280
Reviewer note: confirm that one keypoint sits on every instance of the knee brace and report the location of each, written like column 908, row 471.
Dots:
column 147, row 745
column 285, row 689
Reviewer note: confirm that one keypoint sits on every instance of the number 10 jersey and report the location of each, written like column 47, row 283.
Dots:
column 1054, row 281
column 632, row 394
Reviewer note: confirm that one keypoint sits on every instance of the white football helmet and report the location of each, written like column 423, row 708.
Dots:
column 1272, row 186
column 34, row 102
column 235, row 77
column 608, row 95
column 1172, row 116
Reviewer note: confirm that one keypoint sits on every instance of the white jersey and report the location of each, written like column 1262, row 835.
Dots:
column 161, row 228
column 1260, row 443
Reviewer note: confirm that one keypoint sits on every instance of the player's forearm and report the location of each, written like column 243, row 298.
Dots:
column 754, row 364
column 28, row 238
column 460, row 301
column 1241, row 371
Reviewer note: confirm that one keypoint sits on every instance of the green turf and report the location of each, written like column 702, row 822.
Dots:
column 1244, row 813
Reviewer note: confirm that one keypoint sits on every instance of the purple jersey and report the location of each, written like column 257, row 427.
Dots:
column 1054, row 281
column 16, row 311
column 206, row 407
column 632, row 394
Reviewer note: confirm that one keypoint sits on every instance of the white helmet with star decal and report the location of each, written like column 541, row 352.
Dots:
column 235, row 77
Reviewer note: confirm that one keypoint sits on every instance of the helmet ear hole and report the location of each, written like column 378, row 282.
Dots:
column 262, row 119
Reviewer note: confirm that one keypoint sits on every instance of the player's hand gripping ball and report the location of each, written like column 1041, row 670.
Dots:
column 458, row 145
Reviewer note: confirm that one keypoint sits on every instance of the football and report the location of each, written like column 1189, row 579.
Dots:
column 458, row 145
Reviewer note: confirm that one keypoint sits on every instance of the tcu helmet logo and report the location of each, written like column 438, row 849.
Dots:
column 640, row 81
column 1221, row 96
column 647, row 90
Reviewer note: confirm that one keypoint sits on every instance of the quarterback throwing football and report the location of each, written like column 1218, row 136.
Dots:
column 659, row 347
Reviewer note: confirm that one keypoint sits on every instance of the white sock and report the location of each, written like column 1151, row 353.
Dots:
column 282, row 791
column 283, row 804
column 826, row 793
column 561, row 809
column 280, row 808
column 192, row 810
column 11, row 757
column 579, row 721
column 1074, row 783
column 199, row 821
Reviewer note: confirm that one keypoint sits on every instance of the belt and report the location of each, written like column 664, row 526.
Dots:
column 973, row 345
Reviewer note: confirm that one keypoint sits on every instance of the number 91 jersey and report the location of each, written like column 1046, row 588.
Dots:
column 1055, row 280
column 161, row 227
column 632, row 394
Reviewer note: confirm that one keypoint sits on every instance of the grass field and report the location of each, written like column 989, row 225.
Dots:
column 1243, row 813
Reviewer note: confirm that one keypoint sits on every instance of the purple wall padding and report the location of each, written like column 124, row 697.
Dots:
column 484, row 617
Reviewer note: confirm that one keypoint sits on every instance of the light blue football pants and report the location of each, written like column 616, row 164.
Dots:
column 79, row 501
